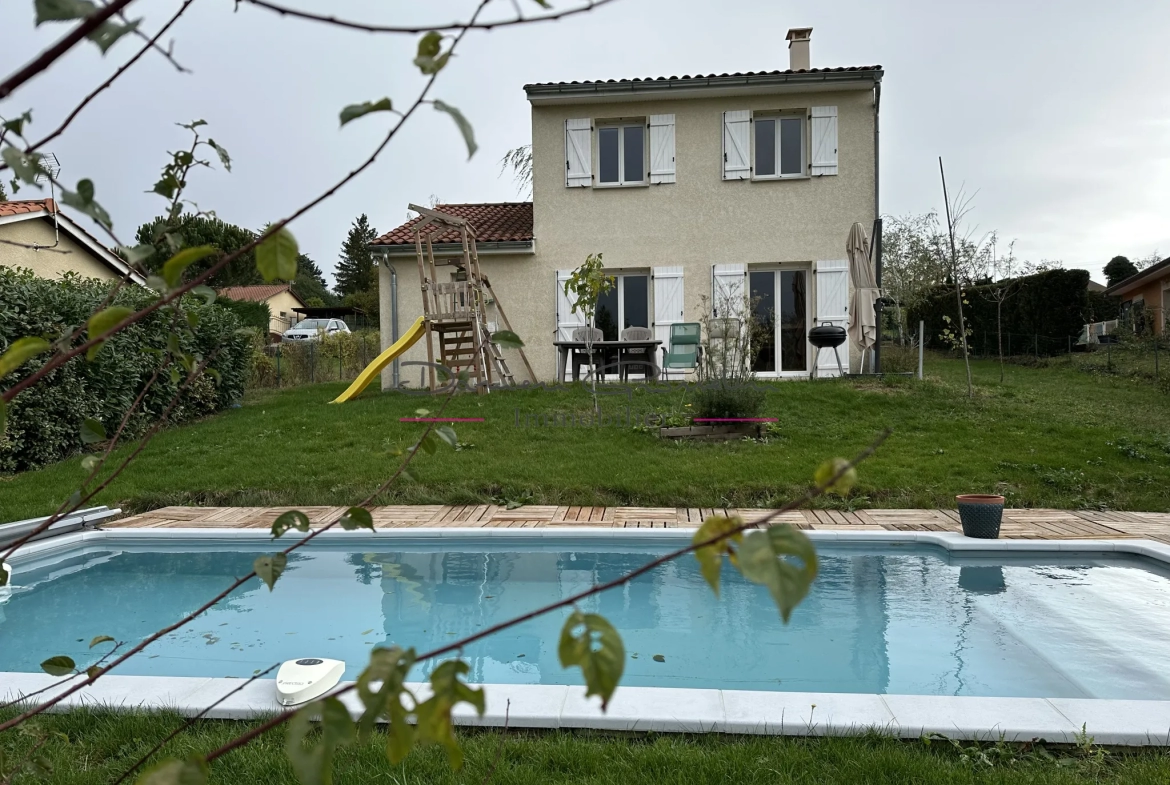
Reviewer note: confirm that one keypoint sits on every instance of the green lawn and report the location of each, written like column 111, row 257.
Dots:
column 1052, row 436
column 98, row 747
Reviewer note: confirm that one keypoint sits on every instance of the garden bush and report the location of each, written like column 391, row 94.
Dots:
column 44, row 423
column 724, row 398
column 254, row 315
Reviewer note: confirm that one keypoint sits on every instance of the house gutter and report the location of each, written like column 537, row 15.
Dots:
column 456, row 249
column 663, row 87
column 877, row 219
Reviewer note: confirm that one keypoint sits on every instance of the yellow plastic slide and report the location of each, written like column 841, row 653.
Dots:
column 372, row 370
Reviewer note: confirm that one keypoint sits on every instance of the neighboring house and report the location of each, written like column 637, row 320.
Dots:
column 36, row 235
column 1145, row 297
column 279, row 298
column 692, row 187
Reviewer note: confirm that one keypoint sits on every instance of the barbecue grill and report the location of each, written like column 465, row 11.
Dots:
column 827, row 336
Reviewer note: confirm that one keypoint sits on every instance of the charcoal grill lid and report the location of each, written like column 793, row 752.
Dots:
column 827, row 336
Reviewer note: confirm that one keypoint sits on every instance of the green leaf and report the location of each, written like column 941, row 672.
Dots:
column 711, row 556
column 762, row 560
column 276, row 257
column 388, row 669
column 89, row 463
column 447, row 434
column 430, row 44
column 26, row 167
column 92, row 431
column 506, row 339
column 409, row 473
column 173, row 268
column 137, row 253
column 433, row 716
column 82, row 199
column 464, row 126
column 101, row 323
column 192, row 771
column 314, row 766
column 269, row 567
column 827, row 471
column 597, row 650
column 293, row 519
column 429, row 443
column 206, row 292
column 21, row 351
column 16, row 124
column 354, row 111
column 93, row 671
column 357, row 518
column 108, row 33
column 224, row 158
column 62, row 10
column 59, row 665
column 100, row 639
column 432, row 65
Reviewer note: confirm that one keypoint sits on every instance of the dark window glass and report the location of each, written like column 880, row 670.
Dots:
column 607, row 153
column 635, row 298
column 793, row 331
column 605, row 318
column 763, row 301
column 634, row 160
column 765, row 147
column 790, row 146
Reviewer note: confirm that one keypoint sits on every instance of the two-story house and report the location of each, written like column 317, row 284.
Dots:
column 691, row 187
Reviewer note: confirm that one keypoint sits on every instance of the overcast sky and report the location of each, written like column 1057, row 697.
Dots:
column 1056, row 113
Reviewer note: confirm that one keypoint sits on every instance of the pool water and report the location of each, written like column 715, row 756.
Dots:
column 880, row 619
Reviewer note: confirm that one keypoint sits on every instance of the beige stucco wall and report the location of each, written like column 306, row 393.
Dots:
column 1154, row 295
column 697, row 222
column 47, row 263
column 283, row 302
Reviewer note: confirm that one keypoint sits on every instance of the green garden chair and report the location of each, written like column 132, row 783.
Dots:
column 684, row 352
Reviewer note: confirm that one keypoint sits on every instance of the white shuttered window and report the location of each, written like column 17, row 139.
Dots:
column 833, row 308
column 567, row 321
column 578, row 153
column 661, row 148
column 824, row 140
column 728, row 291
column 737, row 141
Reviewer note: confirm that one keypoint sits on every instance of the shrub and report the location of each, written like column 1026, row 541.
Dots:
column 254, row 315
column 722, row 398
column 44, row 423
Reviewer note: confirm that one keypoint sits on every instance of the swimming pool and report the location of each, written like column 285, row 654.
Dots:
column 887, row 618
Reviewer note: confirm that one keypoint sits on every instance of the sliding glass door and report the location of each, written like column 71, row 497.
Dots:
column 779, row 300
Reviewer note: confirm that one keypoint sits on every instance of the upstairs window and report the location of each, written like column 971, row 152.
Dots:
column 779, row 146
column 621, row 154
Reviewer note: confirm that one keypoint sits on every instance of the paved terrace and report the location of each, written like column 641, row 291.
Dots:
column 1017, row 524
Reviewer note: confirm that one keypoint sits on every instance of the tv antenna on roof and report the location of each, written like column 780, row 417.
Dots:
column 49, row 168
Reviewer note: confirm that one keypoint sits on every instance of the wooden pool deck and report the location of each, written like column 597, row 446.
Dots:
column 1017, row 524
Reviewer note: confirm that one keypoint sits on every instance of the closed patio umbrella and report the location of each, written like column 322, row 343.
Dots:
column 862, row 315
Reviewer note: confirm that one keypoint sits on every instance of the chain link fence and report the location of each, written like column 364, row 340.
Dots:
column 332, row 358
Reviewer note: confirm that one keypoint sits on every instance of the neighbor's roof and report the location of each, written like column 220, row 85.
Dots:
column 1154, row 273
column 256, row 294
column 738, row 79
column 493, row 222
column 29, row 209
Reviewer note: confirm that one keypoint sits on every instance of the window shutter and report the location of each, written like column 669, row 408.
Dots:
column 832, row 307
column 728, row 291
column 661, row 148
column 668, row 301
column 578, row 153
column 824, row 140
column 737, row 136
column 567, row 321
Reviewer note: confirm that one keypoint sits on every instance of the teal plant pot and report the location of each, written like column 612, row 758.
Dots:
column 981, row 515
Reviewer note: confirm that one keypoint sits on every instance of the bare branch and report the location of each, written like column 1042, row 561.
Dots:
column 57, row 50
column 168, row 53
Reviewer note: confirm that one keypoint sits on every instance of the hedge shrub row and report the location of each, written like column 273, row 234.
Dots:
column 1055, row 304
column 251, row 314
column 44, row 422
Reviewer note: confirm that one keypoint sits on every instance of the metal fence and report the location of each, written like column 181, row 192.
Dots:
column 330, row 359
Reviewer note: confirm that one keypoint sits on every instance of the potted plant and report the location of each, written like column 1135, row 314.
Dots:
column 981, row 514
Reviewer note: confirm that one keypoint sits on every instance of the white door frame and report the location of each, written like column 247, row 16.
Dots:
column 809, row 307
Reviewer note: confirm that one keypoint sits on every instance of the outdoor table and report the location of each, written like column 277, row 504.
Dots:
column 565, row 347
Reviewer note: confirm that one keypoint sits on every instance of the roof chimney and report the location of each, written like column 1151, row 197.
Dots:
column 798, row 40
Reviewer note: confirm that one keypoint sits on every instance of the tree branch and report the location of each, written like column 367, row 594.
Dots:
column 57, row 50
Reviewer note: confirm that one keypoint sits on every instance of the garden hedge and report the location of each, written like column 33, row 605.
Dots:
column 1054, row 305
column 44, row 422
column 251, row 314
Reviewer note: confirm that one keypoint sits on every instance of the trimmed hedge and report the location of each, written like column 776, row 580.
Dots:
column 44, row 422
column 251, row 314
column 1054, row 304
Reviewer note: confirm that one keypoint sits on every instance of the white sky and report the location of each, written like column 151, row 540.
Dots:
column 1055, row 112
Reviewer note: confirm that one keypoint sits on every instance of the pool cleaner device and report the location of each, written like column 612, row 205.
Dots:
column 299, row 681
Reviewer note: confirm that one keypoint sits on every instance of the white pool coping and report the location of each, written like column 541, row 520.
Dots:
column 672, row 710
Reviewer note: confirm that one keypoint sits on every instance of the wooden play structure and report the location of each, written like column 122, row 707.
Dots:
column 455, row 317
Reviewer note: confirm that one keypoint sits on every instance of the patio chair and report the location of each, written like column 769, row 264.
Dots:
column 684, row 352
column 637, row 357
column 582, row 357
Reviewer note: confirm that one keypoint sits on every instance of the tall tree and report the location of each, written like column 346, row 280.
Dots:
column 194, row 230
column 1118, row 269
column 355, row 266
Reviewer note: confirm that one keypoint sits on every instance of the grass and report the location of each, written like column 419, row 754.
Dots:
column 98, row 746
column 1052, row 436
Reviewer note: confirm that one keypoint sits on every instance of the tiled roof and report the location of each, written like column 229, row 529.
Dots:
column 1152, row 273
column 493, row 223
column 26, row 206
column 854, row 68
column 253, row 294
